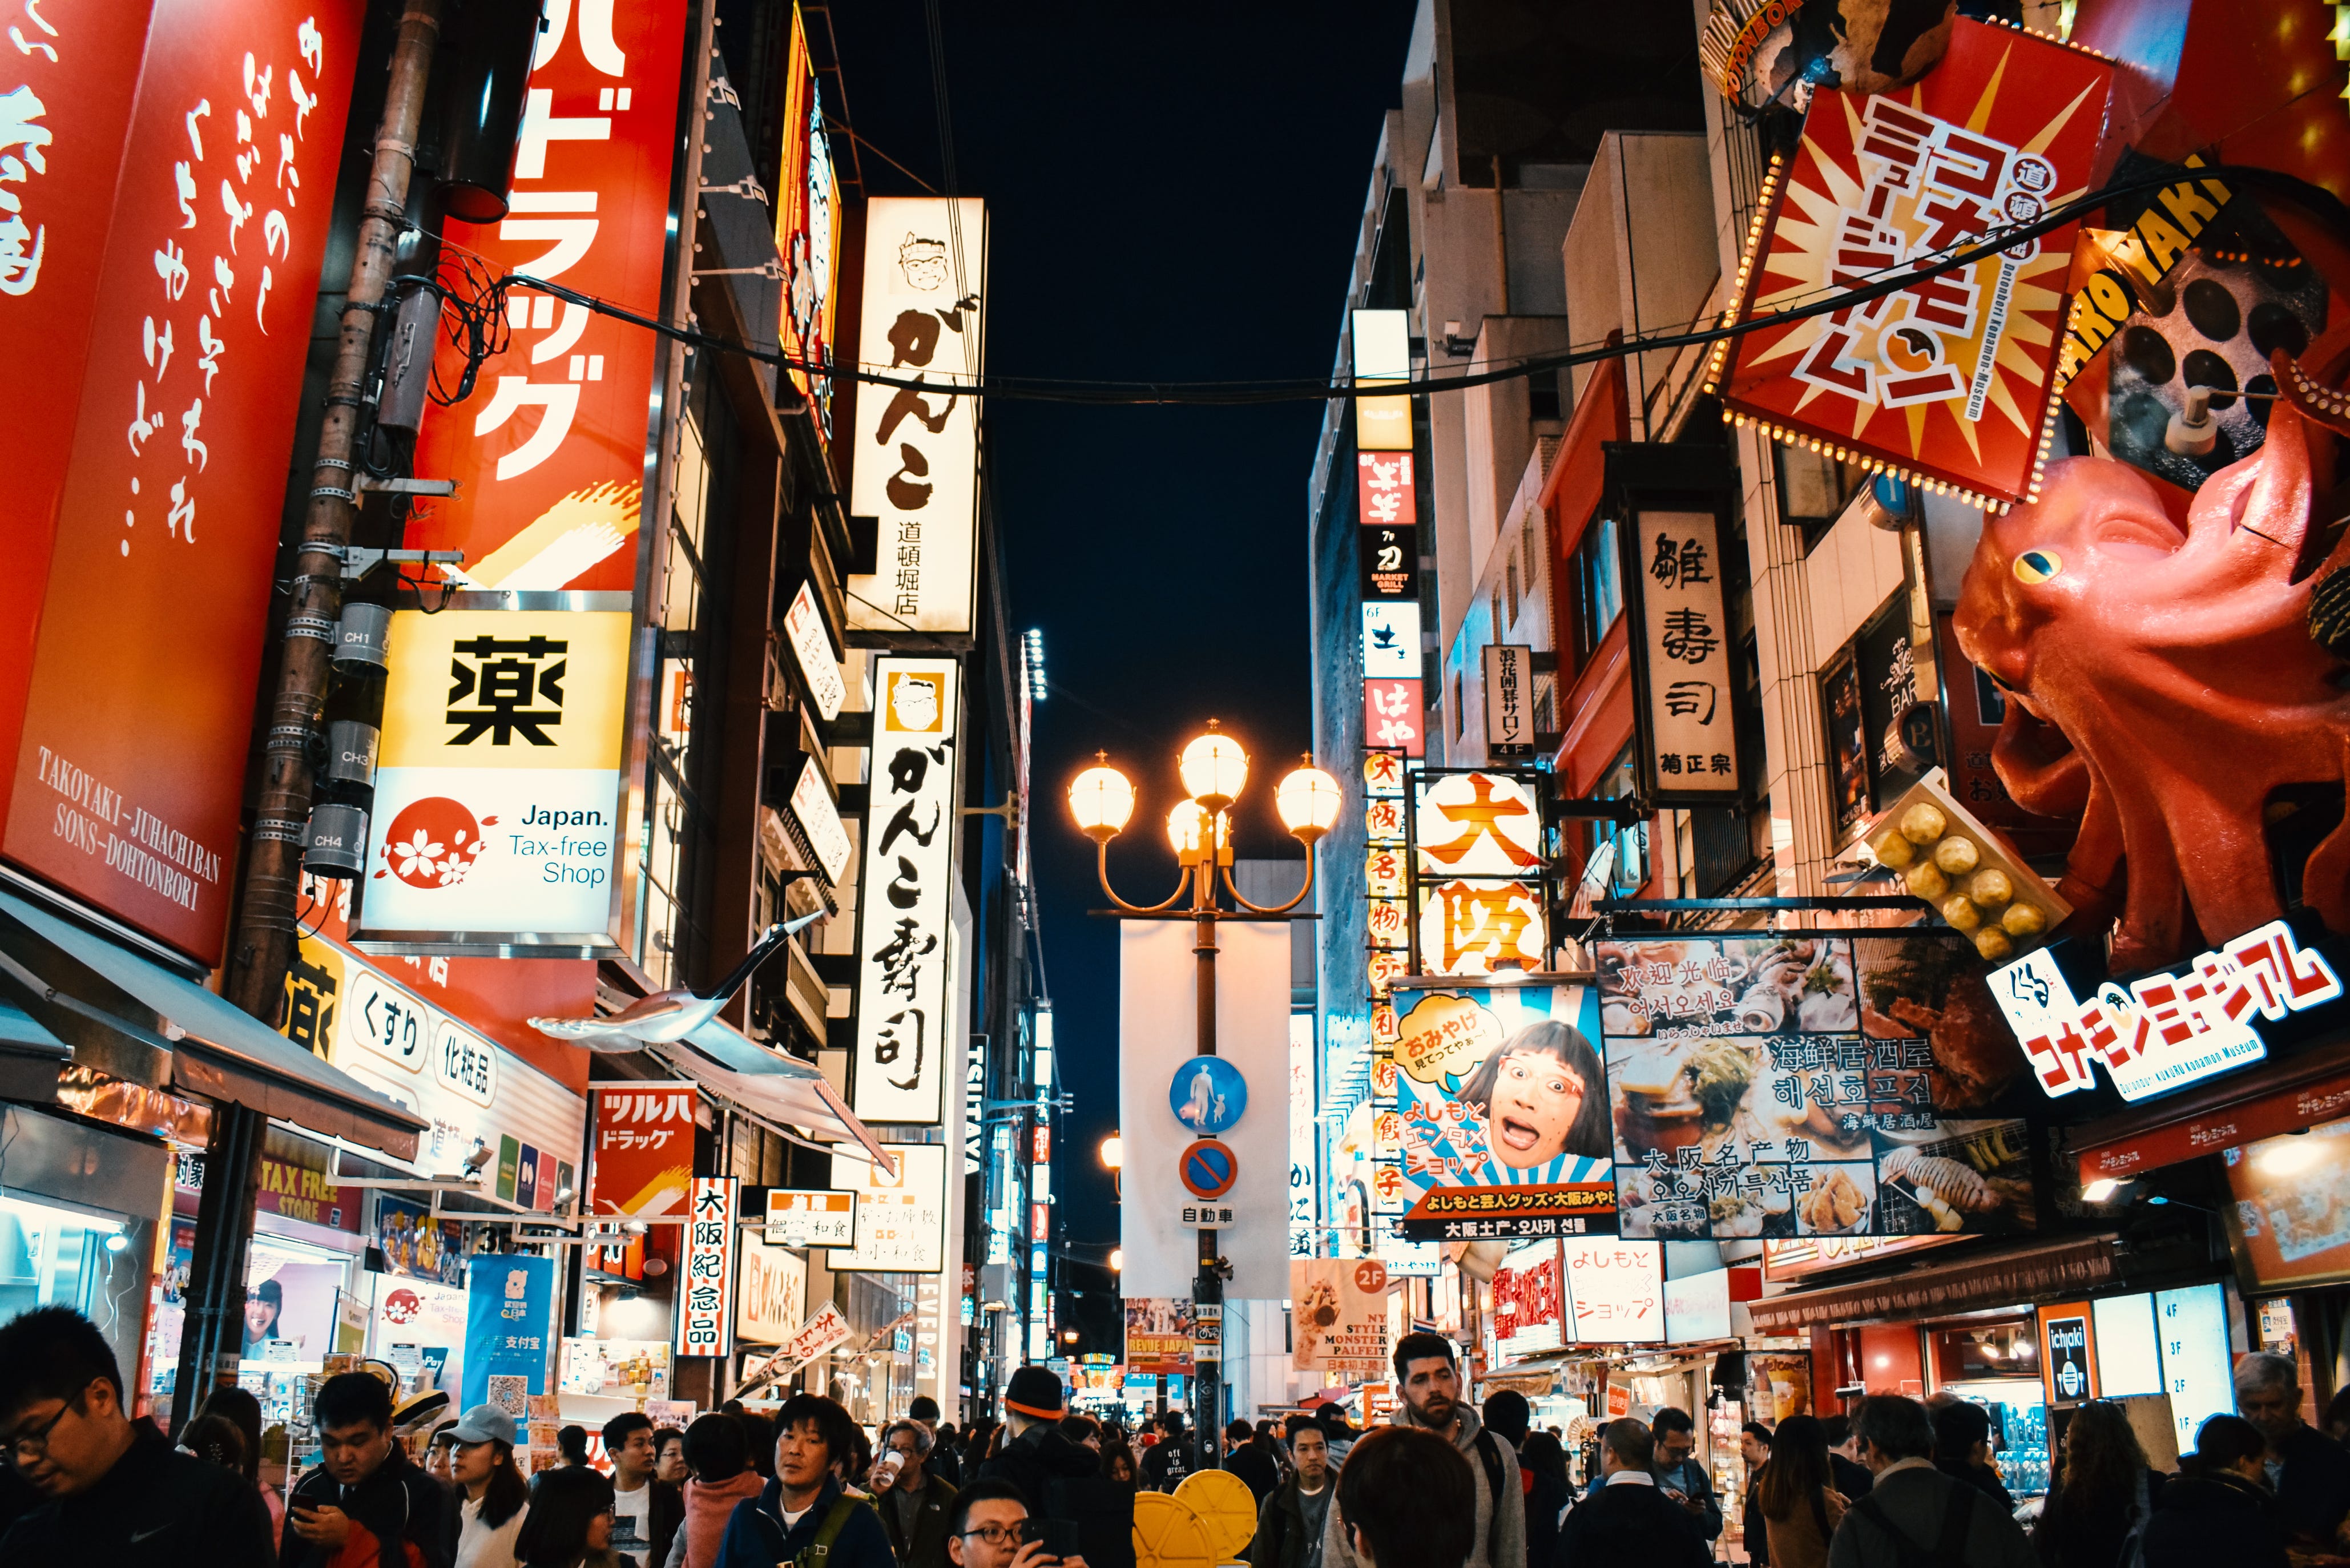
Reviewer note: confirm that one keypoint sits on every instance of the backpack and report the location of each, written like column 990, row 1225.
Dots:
column 2133, row 1551
column 835, row 1520
column 1949, row 1548
column 1489, row 1455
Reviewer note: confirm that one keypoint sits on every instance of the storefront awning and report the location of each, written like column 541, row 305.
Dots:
column 140, row 1022
column 1986, row 1279
column 774, row 1087
column 2266, row 1101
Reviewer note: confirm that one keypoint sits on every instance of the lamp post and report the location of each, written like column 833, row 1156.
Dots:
column 1215, row 770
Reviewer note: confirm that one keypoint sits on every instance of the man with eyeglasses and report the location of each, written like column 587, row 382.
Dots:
column 115, row 1491
column 988, row 1528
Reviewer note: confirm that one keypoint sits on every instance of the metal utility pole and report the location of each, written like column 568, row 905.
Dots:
column 264, row 934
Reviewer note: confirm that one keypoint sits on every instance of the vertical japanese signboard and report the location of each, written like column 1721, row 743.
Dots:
column 705, row 1320
column 643, row 1158
column 1502, row 1107
column 1949, row 378
column 903, row 983
column 549, row 452
column 915, row 465
column 496, row 822
column 1303, row 1158
column 807, row 227
column 1684, row 685
column 1392, row 717
column 1382, row 356
column 901, row 1218
column 1529, row 1300
column 1477, row 871
column 181, row 409
column 1509, row 701
column 1808, row 1084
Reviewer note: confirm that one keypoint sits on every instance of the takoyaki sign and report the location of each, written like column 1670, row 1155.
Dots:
column 1501, row 1115
column 1804, row 1085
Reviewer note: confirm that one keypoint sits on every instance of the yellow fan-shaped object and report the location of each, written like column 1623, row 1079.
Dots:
column 1168, row 1534
column 1226, row 1507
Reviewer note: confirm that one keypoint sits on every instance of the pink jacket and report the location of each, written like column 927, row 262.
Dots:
column 708, row 1507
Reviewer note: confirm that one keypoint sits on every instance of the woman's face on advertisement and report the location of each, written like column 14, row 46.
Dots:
column 1536, row 1098
column 260, row 1314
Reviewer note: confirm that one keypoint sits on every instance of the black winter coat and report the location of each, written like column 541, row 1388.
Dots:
column 2204, row 1519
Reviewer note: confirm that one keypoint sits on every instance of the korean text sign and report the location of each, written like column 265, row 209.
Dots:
column 1501, row 1110
column 509, row 1322
column 705, row 1319
column 1683, row 658
column 549, row 452
column 902, row 984
column 644, row 1149
column 915, row 465
column 131, row 760
column 1950, row 377
column 1806, row 1084
column 497, row 818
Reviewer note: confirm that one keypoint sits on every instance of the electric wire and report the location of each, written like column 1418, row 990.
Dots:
column 1252, row 392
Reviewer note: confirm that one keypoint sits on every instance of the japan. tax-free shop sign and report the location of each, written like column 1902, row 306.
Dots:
column 1950, row 379
column 148, row 439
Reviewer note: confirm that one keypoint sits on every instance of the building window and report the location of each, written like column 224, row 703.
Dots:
column 1631, row 869
column 1813, row 490
column 1509, row 575
column 1596, row 580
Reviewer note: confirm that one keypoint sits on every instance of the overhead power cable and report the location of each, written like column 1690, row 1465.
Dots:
column 1291, row 389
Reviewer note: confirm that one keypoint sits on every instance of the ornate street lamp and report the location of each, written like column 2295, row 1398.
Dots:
column 1214, row 769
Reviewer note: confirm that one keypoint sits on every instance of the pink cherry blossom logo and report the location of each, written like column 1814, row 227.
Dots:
column 432, row 843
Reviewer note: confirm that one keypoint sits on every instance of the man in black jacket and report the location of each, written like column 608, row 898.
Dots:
column 364, row 1495
column 1626, row 1522
column 1061, row 1480
column 1290, row 1521
column 113, row 1490
column 1246, row 1460
column 1166, row 1461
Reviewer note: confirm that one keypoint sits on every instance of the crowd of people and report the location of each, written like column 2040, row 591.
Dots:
column 1897, row 1483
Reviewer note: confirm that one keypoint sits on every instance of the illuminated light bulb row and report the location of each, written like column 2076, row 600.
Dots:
column 1874, row 464
column 1720, row 357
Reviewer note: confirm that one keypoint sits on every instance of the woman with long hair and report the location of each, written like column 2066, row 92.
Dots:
column 570, row 1522
column 1543, row 1458
column 1801, row 1506
column 2104, row 1492
column 1543, row 1095
column 1118, row 1460
column 496, row 1499
column 2218, row 1508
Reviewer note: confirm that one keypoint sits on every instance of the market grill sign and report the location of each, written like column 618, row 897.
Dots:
column 1949, row 380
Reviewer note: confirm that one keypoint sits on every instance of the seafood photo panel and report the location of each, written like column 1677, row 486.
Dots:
column 1808, row 1084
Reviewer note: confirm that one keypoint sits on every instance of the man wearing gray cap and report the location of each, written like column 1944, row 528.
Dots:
column 496, row 1495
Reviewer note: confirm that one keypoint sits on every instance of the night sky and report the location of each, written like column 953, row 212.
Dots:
column 1173, row 192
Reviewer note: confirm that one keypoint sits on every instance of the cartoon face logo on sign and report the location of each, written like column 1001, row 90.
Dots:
column 432, row 843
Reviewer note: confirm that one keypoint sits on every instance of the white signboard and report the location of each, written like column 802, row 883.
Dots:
column 901, row 1219
column 770, row 1294
column 1697, row 1308
column 1685, row 656
column 812, row 649
column 1303, row 1210
column 804, row 1217
column 1509, row 701
column 1616, row 1290
column 903, row 992
column 1391, row 639
column 916, row 449
column 496, row 818
column 704, row 1323
column 2190, row 1328
column 813, row 808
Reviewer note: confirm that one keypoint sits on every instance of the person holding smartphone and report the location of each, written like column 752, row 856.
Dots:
column 365, row 1504
column 989, row 1527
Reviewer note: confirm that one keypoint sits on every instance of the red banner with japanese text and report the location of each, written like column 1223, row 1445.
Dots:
column 1950, row 379
column 643, row 1154
column 131, row 762
column 550, row 452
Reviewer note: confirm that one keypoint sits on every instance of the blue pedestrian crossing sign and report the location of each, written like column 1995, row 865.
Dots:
column 1207, row 1095
column 1209, row 1169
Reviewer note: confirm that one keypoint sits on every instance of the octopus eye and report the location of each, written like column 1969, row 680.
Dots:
column 2035, row 566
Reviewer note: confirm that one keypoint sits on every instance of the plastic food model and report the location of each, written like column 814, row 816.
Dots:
column 1951, row 861
column 2162, row 682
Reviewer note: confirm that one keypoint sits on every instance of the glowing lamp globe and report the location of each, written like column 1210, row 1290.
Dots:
column 1101, row 799
column 1214, row 769
column 1308, row 801
column 1185, row 826
column 1113, row 1151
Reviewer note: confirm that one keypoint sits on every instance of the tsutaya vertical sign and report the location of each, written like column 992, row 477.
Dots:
column 496, row 819
column 550, row 452
column 903, row 994
column 916, row 463
column 705, row 1323
column 1685, row 682
column 151, row 439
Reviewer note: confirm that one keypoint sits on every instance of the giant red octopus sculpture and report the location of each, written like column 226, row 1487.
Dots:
column 2162, row 681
